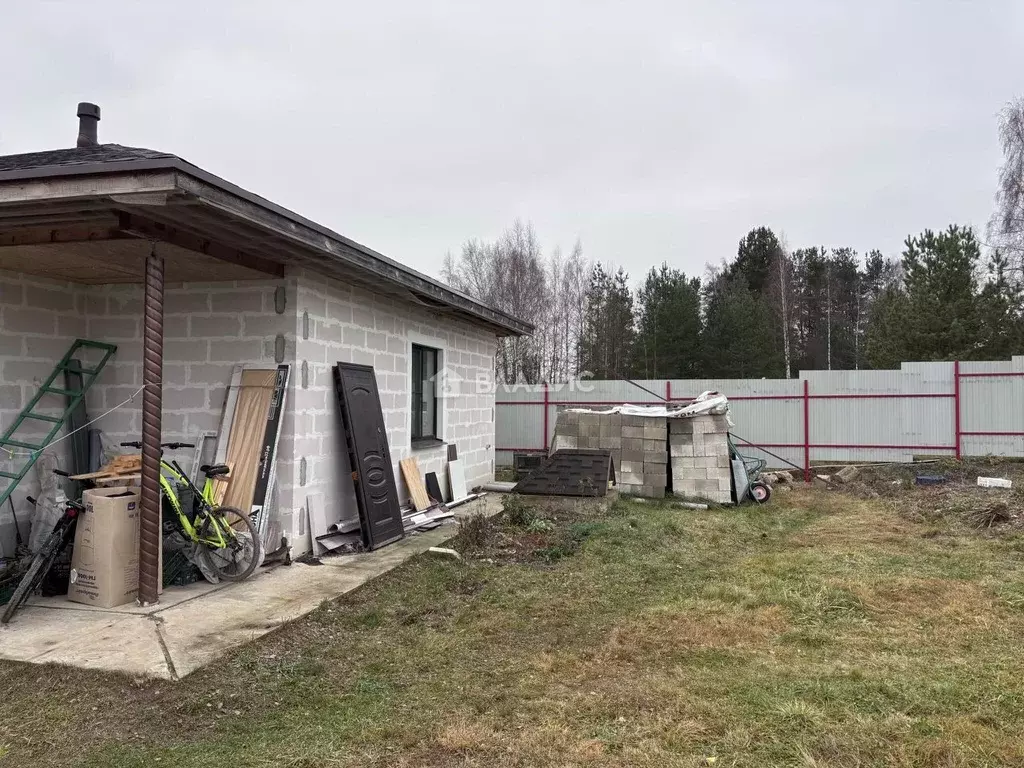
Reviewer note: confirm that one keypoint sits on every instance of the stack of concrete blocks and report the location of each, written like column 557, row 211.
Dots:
column 638, row 445
column 699, row 454
column 644, row 470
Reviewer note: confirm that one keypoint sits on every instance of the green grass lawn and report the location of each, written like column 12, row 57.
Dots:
column 817, row 631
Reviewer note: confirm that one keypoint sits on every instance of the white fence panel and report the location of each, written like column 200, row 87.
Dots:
column 934, row 409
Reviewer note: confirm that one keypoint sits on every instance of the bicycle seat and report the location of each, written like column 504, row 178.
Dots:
column 215, row 470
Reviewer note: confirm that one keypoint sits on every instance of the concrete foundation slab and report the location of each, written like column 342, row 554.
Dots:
column 194, row 625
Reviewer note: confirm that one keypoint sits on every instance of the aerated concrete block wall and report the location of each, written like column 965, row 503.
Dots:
column 338, row 322
column 699, row 457
column 208, row 329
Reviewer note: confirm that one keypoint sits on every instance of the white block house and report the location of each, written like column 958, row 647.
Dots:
column 246, row 281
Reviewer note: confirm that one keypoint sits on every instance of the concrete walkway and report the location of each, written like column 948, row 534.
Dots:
column 191, row 626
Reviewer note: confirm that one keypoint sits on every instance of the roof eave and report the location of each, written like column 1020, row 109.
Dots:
column 230, row 198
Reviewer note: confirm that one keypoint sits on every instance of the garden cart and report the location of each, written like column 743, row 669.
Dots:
column 756, row 490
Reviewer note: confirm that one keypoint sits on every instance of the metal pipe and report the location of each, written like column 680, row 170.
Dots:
column 957, row 432
column 88, row 118
column 152, row 399
column 547, row 410
column 807, row 432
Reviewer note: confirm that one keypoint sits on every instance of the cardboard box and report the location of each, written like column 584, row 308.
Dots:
column 105, row 561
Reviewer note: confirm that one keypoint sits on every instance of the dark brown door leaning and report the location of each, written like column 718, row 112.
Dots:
column 367, row 440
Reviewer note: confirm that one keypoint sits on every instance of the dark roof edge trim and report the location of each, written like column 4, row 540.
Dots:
column 365, row 257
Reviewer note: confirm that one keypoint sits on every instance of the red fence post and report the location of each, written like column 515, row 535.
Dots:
column 544, row 440
column 668, row 390
column 807, row 432
column 957, row 432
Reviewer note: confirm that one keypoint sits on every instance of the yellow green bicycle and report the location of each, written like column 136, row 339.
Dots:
column 226, row 537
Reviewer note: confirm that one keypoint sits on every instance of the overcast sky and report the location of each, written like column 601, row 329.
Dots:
column 652, row 131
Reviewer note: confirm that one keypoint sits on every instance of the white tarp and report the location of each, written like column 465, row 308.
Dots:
column 707, row 403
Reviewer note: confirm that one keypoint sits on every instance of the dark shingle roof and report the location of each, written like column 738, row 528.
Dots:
column 101, row 153
column 112, row 158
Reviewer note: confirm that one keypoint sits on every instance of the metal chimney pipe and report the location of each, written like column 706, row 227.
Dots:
column 88, row 118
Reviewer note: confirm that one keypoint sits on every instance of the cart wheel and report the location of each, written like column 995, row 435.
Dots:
column 760, row 492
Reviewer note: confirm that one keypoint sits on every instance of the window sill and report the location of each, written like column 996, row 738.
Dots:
column 423, row 443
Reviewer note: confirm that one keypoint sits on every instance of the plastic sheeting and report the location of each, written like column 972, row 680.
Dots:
column 709, row 402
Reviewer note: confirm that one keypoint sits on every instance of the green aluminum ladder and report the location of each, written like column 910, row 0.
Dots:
column 29, row 450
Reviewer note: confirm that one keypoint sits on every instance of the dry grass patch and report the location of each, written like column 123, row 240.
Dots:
column 666, row 635
column 820, row 630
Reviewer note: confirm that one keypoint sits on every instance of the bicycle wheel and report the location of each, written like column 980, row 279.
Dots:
column 239, row 559
column 34, row 576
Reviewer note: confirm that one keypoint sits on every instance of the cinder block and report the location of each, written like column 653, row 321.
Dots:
column 656, row 469
column 718, row 473
column 350, row 337
column 588, row 429
column 49, row 348
column 568, row 418
column 725, row 484
column 633, row 421
column 217, row 325
column 48, row 298
column 655, row 479
column 656, row 457
column 705, row 461
column 681, row 451
column 723, row 461
column 610, row 443
column 717, row 442
column 708, row 486
column 189, row 398
column 234, row 351
column 610, row 430
column 655, row 431
column 29, row 372
column 631, row 431
column 126, row 305
column 632, row 443
column 720, row 423
column 684, row 487
column 184, row 302
column 253, row 325
column 376, row 341
column 654, row 445
column 632, row 467
column 612, row 420
column 106, row 328
column 193, row 350
column 588, row 442
column 567, row 427
column 239, row 301
column 566, row 441
column 689, row 473
column 635, row 456
column 680, row 426
column 631, row 478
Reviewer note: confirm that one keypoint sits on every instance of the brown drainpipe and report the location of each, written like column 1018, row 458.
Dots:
column 152, row 398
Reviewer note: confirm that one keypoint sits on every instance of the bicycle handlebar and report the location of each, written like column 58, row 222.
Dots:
column 171, row 446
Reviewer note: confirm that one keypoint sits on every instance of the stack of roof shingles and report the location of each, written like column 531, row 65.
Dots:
column 699, row 451
column 645, row 449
